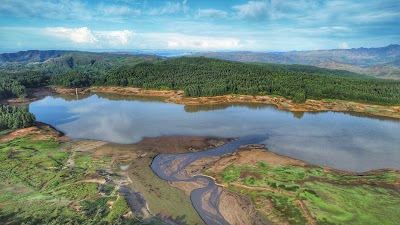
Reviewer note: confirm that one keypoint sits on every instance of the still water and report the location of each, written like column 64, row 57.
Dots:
column 343, row 141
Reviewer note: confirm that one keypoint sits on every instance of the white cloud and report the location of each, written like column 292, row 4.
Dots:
column 86, row 37
column 213, row 13
column 115, row 38
column 192, row 42
column 253, row 10
column 77, row 35
column 344, row 45
column 335, row 28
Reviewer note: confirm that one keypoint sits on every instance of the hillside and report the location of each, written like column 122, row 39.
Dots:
column 379, row 62
column 212, row 77
column 197, row 76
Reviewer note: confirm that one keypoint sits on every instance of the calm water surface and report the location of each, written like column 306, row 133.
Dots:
column 339, row 140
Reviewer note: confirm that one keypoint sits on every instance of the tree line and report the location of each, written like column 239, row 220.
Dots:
column 13, row 117
column 211, row 77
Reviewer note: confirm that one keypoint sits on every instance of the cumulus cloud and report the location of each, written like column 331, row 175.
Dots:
column 212, row 13
column 115, row 38
column 85, row 36
column 76, row 35
column 253, row 10
column 182, row 41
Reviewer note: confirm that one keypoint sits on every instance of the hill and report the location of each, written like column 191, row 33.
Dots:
column 30, row 56
column 57, row 62
column 212, row 77
column 197, row 76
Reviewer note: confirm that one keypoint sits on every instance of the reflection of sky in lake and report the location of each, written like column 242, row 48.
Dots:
column 333, row 139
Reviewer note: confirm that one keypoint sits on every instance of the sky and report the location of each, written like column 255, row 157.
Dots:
column 199, row 25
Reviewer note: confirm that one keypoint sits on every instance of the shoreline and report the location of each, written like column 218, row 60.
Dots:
column 177, row 97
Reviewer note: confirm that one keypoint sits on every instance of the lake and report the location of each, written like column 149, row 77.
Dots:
column 339, row 140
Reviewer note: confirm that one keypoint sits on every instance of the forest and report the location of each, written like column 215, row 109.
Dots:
column 13, row 117
column 211, row 77
column 15, row 84
column 199, row 76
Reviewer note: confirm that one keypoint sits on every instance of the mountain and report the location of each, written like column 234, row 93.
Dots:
column 57, row 62
column 30, row 56
column 379, row 62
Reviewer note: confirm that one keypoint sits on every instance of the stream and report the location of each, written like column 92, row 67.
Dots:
column 205, row 200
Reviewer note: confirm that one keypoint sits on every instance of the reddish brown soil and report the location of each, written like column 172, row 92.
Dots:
column 41, row 131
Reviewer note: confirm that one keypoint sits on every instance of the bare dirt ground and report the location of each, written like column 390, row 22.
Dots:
column 238, row 209
column 41, row 131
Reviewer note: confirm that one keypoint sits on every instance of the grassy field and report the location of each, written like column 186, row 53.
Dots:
column 306, row 195
column 162, row 198
column 48, row 182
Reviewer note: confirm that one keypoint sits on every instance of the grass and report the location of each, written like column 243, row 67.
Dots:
column 38, row 188
column 362, row 204
column 120, row 207
column 330, row 197
column 161, row 197
column 371, row 109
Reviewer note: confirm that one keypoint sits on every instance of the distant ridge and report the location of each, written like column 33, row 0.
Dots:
column 31, row 56
column 380, row 62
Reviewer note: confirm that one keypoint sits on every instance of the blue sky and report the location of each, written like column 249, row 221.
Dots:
column 210, row 25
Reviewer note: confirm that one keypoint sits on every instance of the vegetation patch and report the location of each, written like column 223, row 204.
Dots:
column 39, row 185
column 303, row 195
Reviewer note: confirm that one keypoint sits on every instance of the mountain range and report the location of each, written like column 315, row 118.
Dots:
column 381, row 62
